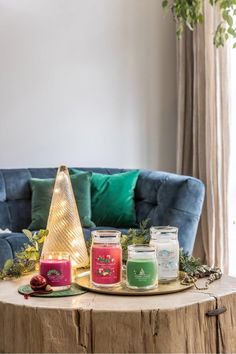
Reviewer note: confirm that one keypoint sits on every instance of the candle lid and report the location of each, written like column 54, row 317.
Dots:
column 164, row 229
column 142, row 251
column 164, row 233
column 106, row 236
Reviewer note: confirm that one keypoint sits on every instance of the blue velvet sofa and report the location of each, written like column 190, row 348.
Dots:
column 164, row 198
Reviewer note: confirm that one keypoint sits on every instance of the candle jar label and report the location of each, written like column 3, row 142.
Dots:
column 141, row 273
column 106, row 264
column 168, row 262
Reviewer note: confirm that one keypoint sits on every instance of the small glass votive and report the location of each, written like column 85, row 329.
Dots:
column 56, row 268
column 141, row 267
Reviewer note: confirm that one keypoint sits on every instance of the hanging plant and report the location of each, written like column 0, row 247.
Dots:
column 189, row 13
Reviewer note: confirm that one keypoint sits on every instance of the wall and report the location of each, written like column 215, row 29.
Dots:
column 87, row 82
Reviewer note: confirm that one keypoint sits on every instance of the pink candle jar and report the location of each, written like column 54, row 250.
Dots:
column 56, row 268
column 106, row 258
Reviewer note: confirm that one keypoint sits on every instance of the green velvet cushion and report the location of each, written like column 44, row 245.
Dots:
column 42, row 190
column 113, row 199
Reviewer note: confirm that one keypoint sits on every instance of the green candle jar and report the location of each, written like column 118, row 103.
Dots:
column 141, row 267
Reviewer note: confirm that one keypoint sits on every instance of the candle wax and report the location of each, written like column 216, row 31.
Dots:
column 56, row 271
column 141, row 273
column 106, row 263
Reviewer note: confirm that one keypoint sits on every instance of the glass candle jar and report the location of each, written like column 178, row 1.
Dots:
column 165, row 239
column 56, row 268
column 106, row 258
column 141, row 267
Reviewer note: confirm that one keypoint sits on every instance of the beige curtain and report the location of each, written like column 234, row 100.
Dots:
column 203, row 131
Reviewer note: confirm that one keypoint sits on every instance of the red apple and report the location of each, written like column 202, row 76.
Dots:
column 38, row 282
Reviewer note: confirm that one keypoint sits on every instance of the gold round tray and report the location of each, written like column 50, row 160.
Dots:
column 168, row 288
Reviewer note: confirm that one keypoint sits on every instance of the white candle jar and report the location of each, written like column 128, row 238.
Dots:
column 165, row 239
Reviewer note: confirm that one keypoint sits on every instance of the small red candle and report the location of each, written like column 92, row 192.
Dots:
column 56, row 268
column 106, row 258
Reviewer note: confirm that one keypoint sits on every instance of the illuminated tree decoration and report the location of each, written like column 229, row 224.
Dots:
column 65, row 231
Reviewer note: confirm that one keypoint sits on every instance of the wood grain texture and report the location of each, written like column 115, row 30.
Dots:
column 94, row 323
column 227, row 324
column 183, row 330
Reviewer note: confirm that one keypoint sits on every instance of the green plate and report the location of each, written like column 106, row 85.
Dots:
column 75, row 289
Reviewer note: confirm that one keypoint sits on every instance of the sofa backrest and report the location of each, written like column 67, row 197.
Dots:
column 15, row 194
column 164, row 198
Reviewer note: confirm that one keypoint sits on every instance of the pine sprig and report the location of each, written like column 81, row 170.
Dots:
column 135, row 237
column 188, row 264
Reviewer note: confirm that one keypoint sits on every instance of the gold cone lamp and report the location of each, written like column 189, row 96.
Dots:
column 65, row 231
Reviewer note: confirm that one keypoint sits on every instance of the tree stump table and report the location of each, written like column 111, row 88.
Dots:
column 192, row 321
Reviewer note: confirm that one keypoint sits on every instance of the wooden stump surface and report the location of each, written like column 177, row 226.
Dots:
column 95, row 323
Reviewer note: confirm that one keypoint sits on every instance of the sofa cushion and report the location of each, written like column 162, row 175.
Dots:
column 42, row 190
column 19, row 211
column 2, row 188
column 5, row 217
column 16, row 184
column 10, row 244
column 113, row 199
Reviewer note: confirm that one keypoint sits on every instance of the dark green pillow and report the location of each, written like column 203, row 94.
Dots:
column 42, row 190
column 113, row 199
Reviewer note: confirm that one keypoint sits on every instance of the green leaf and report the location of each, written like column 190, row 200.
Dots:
column 230, row 21
column 164, row 4
column 34, row 256
column 189, row 13
column 7, row 265
column 42, row 233
column 35, row 237
column 28, row 234
column 232, row 31
column 42, row 239
column 36, row 246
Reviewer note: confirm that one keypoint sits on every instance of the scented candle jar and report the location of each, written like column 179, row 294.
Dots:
column 106, row 258
column 141, row 267
column 165, row 239
column 56, row 268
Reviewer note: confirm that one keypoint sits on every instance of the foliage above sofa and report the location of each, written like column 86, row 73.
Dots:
column 190, row 13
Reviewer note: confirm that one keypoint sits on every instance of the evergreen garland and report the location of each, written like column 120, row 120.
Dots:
column 25, row 260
